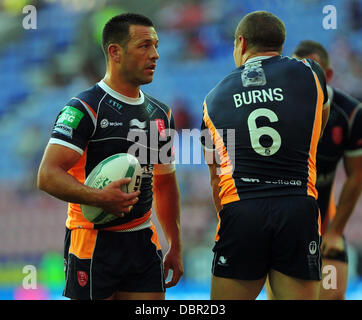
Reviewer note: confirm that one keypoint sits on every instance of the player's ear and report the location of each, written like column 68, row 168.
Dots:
column 243, row 44
column 115, row 52
column 329, row 74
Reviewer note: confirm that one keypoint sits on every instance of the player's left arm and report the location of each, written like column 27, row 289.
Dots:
column 351, row 191
column 213, row 165
column 167, row 205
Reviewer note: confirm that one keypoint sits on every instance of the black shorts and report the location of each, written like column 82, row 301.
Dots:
column 257, row 235
column 99, row 263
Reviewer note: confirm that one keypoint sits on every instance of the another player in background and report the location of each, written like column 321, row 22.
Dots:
column 121, row 259
column 342, row 139
column 265, row 192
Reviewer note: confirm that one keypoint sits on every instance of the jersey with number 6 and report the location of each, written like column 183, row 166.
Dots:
column 264, row 120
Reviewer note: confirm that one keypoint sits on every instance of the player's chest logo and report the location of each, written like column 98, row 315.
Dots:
column 337, row 135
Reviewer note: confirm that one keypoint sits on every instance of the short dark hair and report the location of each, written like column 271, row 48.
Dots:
column 116, row 30
column 308, row 47
column 262, row 30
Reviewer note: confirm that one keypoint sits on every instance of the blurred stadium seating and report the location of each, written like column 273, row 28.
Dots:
column 42, row 69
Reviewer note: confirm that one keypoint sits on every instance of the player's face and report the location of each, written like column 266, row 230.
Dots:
column 139, row 58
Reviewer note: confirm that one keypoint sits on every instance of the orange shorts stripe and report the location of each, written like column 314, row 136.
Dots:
column 217, row 228
column 82, row 242
column 154, row 238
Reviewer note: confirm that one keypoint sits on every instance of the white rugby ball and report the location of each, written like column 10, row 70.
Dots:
column 118, row 166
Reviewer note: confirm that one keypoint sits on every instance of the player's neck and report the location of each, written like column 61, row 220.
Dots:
column 118, row 84
column 261, row 54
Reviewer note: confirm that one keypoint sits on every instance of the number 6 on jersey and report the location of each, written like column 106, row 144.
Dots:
column 256, row 133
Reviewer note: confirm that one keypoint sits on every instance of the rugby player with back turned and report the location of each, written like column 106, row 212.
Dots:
column 342, row 139
column 263, row 185
column 121, row 259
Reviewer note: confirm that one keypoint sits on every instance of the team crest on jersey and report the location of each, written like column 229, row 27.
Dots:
column 82, row 278
column 253, row 75
column 337, row 135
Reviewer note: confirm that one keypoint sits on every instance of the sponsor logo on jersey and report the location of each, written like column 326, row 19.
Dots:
column 115, row 104
column 138, row 124
column 161, row 127
column 105, row 123
column 147, row 171
column 250, row 179
column 70, row 117
column 313, row 247
column 291, row 182
column 63, row 129
column 222, row 261
column 151, row 109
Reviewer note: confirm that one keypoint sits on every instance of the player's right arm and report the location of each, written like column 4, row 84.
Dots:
column 53, row 178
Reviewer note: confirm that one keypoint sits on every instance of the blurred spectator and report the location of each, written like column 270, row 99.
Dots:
column 181, row 113
column 176, row 15
column 88, row 42
column 346, row 62
column 355, row 11
column 191, row 15
column 30, row 147
column 195, row 48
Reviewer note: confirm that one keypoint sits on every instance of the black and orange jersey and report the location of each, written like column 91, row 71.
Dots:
column 264, row 119
column 342, row 137
column 100, row 122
